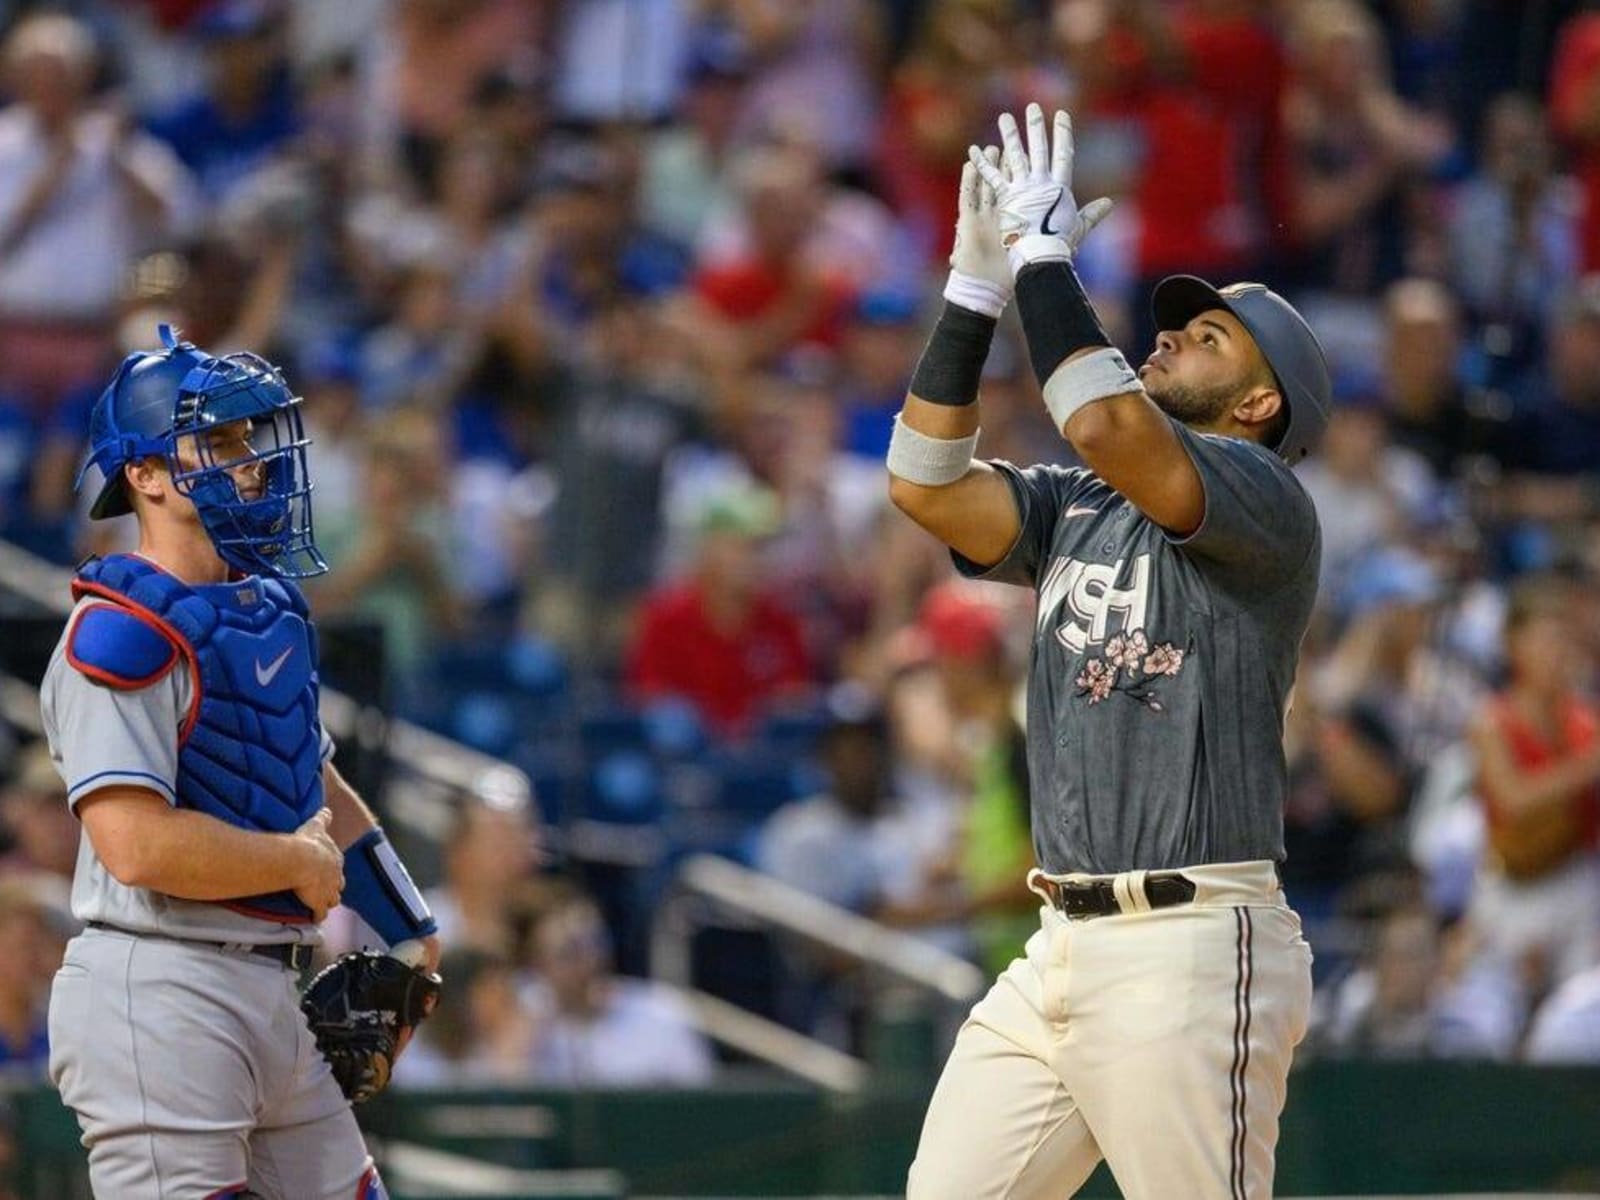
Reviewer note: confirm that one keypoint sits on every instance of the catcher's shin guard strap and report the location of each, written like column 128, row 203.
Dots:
column 380, row 891
column 1056, row 316
column 929, row 461
column 1087, row 378
column 952, row 363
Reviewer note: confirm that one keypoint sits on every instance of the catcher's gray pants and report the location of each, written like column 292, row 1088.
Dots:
column 194, row 1075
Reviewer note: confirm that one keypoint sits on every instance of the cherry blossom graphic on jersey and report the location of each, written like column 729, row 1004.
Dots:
column 1130, row 666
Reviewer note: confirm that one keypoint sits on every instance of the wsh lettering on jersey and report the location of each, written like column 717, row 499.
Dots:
column 1096, row 600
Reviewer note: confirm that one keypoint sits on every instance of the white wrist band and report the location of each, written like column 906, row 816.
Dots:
column 976, row 295
column 1037, row 247
column 1084, row 380
column 929, row 461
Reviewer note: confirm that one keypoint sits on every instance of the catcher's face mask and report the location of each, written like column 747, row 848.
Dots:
column 230, row 432
column 240, row 425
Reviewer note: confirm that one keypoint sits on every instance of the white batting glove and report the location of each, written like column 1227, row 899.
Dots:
column 980, row 275
column 1038, row 217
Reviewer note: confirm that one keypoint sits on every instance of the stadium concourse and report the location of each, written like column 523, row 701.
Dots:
column 708, row 764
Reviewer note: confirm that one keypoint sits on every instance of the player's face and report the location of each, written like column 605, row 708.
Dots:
column 1197, row 373
column 226, row 446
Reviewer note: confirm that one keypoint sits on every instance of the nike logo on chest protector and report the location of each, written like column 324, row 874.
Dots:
column 265, row 675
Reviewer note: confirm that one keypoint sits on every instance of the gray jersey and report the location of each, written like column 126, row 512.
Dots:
column 99, row 737
column 1161, row 666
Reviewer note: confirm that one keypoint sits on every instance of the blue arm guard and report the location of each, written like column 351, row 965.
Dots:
column 378, row 888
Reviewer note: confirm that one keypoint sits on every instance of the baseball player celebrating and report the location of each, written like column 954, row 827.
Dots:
column 181, row 709
column 1151, row 1019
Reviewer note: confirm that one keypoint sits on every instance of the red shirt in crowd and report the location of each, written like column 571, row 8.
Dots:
column 1563, row 831
column 728, row 674
column 1213, row 185
column 749, row 289
column 1573, row 82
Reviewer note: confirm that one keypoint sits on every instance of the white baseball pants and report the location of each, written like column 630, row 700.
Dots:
column 1159, row 1040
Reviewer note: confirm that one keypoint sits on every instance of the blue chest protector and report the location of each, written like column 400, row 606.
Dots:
column 250, row 746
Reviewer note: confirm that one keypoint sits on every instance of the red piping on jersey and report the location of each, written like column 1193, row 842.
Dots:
column 365, row 1186
column 181, row 643
column 233, row 1189
column 262, row 914
column 117, row 681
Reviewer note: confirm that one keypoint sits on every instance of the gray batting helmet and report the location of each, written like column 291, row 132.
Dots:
column 1285, row 341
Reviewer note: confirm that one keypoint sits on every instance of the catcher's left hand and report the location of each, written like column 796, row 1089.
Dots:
column 360, row 1009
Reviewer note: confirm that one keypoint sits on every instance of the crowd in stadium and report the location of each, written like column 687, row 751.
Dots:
column 602, row 310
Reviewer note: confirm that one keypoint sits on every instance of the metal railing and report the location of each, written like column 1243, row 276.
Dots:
column 707, row 886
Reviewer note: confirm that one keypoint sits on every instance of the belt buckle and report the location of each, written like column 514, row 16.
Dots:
column 299, row 958
column 1083, row 910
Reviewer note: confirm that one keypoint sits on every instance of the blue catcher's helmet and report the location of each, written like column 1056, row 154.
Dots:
column 160, row 398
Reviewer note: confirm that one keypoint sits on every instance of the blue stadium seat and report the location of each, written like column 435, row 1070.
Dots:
column 623, row 787
column 793, row 733
column 753, row 782
column 610, row 727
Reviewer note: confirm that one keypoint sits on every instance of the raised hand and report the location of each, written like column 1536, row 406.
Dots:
column 1037, row 215
column 980, row 276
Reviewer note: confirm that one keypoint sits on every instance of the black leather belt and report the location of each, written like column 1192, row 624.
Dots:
column 1080, row 900
column 296, row 956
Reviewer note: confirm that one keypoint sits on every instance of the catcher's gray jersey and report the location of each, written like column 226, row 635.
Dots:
column 101, row 736
column 1161, row 666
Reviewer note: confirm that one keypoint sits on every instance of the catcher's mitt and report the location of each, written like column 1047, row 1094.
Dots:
column 358, row 1007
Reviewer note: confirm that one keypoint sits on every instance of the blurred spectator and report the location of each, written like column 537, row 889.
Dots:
column 1391, row 661
column 1430, row 410
column 939, row 102
column 421, row 75
column 81, row 192
column 981, row 878
column 880, row 346
column 1357, row 151
column 588, row 251
column 246, row 114
column 845, row 845
column 774, row 281
column 1204, row 84
column 1538, row 755
column 390, row 558
column 1514, row 231
column 329, row 377
column 33, row 809
column 718, row 638
column 32, row 954
column 1365, row 489
column 422, row 355
column 489, row 857
column 813, row 80
column 1556, row 427
column 1567, row 1026
column 596, row 1029
column 688, row 166
column 831, row 502
column 1348, row 790
column 1414, row 999
column 483, row 1038
column 841, row 844
column 1575, row 112
column 620, row 60
column 610, row 423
